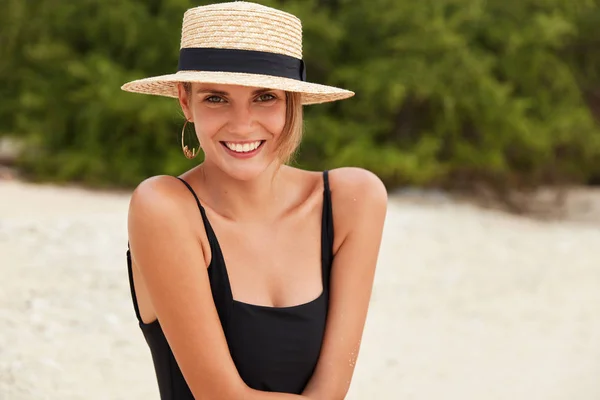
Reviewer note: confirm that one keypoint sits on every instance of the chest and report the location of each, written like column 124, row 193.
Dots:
column 274, row 265
column 277, row 349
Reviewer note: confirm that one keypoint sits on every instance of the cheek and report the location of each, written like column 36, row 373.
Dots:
column 208, row 124
column 274, row 120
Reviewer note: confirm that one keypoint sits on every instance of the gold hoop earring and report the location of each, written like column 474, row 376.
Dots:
column 189, row 154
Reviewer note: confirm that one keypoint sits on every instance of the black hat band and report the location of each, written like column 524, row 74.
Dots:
column 247, row 61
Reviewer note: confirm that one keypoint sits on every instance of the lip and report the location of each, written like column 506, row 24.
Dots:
column 244, row 155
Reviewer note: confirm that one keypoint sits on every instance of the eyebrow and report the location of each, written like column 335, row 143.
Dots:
column 219, row 92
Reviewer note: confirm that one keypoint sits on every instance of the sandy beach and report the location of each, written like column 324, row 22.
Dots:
column 467, row 304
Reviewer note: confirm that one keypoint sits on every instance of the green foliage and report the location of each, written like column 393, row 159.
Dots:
column 503, row 91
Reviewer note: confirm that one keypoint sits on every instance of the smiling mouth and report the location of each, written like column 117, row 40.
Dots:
column 242, row 148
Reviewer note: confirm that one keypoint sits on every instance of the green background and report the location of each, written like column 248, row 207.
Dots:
column 448, row 93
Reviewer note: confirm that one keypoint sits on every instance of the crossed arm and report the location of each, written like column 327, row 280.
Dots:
column 166, row 249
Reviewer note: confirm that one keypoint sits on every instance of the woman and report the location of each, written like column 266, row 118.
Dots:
column 241, row 288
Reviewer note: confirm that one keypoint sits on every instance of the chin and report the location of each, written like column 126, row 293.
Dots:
column 248, row 169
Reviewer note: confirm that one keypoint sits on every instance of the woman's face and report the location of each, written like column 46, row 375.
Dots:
column 238, row 127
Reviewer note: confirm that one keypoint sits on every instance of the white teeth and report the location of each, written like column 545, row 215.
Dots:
column 243, row 148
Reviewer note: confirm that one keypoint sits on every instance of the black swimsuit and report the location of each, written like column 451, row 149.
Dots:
column 274, row 348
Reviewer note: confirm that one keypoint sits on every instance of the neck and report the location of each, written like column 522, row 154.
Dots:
column 251, row 200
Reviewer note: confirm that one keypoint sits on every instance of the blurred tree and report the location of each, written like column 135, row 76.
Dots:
column 448, row 91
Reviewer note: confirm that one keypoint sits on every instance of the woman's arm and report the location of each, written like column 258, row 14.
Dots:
column 164, row 236
column 359, row 202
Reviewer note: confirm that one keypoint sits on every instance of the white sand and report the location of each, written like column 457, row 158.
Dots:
column 467, row 304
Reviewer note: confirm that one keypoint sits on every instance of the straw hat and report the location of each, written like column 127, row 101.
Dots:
column 240, row 43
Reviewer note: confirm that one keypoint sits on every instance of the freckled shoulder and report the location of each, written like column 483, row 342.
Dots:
column 359, row 204
column 354, row 192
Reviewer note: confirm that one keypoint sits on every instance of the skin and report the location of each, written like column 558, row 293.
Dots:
column 267, row 218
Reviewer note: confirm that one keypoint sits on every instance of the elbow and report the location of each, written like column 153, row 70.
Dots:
column 339, row 393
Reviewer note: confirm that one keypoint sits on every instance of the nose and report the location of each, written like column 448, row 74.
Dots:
column 241, row 120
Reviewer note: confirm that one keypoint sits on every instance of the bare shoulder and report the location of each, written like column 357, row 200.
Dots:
column 160, row 198
column 359, row 203
column 159, row 212
column 356, row 192
column 357, row 184
column 157, row 194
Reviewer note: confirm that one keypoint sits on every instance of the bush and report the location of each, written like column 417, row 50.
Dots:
column 448, row 92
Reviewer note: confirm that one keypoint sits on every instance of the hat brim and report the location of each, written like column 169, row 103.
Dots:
column 166, row 85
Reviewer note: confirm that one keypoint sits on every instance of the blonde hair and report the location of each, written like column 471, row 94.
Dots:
column 292, row 132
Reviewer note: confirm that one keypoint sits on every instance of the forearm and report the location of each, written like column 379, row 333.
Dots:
column 252, row 394
column 325, row 391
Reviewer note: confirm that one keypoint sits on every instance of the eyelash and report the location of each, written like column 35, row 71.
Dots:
column 208, row 99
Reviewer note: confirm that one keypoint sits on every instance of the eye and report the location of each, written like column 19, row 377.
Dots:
column 214, row 99
column 267, row 97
